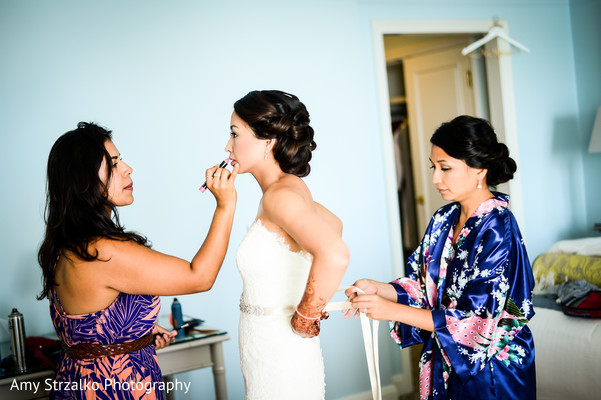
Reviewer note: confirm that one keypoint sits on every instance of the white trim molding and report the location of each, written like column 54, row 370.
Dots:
column 388, row 393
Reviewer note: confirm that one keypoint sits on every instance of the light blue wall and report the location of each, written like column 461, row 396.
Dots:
column 163, row 75
column 587, row 54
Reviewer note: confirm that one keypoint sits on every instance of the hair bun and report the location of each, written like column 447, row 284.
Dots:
column 474, row 140
column 273, row 114
column 502, row 167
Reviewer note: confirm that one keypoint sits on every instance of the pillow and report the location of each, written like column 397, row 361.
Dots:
column 587, row 246
column 551, row 269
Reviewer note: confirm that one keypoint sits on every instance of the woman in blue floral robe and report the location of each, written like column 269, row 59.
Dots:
column 468, row 293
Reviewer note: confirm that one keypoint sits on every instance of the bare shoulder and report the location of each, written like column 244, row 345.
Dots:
column 287, row 185
column 113, row 249
column 286, row 195
column 102, row 250
column 332, row 220
column 291, row 198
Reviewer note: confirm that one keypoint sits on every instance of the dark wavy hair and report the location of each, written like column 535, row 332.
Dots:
column 78, row 210
column 273, row 114
column 474, row 141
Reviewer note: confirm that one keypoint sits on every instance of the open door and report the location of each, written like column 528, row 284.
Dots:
column 438, row 88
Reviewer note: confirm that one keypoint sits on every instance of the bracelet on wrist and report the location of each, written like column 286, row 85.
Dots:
column 305, row 317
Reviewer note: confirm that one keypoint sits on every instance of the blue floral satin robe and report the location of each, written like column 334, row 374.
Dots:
column 480, row 292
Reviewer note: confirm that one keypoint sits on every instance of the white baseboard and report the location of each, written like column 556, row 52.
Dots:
column 388, row 393
column 401, row 383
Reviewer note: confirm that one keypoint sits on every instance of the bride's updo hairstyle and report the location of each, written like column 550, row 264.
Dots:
column 474, row 141
column 273, row 114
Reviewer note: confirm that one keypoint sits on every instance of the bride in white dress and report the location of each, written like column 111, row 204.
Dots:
column 292, row 258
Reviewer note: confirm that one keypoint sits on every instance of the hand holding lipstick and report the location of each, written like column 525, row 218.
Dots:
column 220, row 182
column 223, row 164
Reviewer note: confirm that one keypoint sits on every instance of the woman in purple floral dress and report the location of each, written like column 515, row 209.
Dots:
column 468, row 292
column 104, row 283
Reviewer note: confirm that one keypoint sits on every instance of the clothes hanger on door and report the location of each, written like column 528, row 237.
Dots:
column 494, row 32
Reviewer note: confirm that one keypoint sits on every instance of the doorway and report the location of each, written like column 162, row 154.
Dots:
column 501, row 114
column 429, row 82
column 500, row 98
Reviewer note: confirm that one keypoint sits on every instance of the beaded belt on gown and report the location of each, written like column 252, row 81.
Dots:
column 260, row 311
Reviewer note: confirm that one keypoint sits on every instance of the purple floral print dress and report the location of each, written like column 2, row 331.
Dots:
column 130, row 376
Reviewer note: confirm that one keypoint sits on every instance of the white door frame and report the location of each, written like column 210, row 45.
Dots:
column 502, row 117
column 502, row 105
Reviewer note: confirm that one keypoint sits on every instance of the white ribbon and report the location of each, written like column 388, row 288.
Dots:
column 370, row 340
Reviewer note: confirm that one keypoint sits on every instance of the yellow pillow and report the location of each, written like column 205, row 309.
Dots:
column 554, row 268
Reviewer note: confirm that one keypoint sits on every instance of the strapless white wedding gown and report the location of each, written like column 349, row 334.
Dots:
column 276, row 363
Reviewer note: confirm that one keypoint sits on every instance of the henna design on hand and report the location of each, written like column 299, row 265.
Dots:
column 303, row 327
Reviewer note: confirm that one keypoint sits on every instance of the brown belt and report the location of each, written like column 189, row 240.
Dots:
column 86, row 351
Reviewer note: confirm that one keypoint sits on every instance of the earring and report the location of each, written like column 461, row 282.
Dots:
column 479, row 185
column 266, row 155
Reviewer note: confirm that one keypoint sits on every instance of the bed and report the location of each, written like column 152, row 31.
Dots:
column 568, row 348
